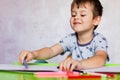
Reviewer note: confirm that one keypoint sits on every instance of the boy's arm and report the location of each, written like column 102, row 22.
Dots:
column 43, row 54
column 48, row 52
column 97, row 60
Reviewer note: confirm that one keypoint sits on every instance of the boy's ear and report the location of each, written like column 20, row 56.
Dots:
column 97, row 20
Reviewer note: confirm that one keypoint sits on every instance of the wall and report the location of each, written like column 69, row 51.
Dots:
column 33, row 24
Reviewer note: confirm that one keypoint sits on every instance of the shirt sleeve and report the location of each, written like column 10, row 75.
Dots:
column 65, row 43
column 101, row 44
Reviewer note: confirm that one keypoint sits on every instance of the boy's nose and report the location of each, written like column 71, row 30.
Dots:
column 76, row 17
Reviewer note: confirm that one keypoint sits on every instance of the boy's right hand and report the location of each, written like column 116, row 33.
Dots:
column 26, row 54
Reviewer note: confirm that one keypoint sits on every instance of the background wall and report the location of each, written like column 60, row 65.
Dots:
column 33, row 24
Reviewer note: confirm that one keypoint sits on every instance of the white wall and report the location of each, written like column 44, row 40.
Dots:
column 33, row 24
column 110, row 27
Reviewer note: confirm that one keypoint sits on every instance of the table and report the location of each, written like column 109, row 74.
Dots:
column 12, row 75
column 21, row 75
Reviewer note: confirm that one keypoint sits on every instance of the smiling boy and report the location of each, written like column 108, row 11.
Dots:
column 87, row 48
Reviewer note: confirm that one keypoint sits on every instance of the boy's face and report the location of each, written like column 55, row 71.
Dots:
column 82, row 18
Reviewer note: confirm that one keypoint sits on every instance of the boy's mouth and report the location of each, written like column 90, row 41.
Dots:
column 76, row 23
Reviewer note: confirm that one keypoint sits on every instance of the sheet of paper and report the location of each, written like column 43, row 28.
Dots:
column 36, row 68
column 30, row 68
column 109, row 69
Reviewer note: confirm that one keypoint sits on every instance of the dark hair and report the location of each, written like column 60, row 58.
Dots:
column 97, row 7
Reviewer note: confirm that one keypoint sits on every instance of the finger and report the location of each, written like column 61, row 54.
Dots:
column 66, row 63
column 75, row 65
column 70, row 64
column 22, row 56
column 29, row 56
column 72, row 67
column 61, row 65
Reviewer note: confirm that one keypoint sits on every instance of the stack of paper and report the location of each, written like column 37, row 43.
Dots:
column 33, row 68
column 107, row 69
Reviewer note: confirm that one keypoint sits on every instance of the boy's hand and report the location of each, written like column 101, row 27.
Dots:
column 70, row 64
column 25, row 54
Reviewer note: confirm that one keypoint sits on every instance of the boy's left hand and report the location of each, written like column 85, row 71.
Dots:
column 69, row 64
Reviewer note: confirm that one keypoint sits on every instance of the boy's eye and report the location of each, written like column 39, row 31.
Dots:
column 83, row 15
column 73, row 15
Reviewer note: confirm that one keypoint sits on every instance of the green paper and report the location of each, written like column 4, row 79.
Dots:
column 38, row 64
column 112, row 64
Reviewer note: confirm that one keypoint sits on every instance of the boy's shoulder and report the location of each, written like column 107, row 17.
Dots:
column 71, row 35
column 99, row 36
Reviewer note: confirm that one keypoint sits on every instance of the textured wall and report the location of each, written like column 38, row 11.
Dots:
column 33, row 24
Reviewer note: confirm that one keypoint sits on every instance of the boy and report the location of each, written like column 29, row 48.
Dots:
column 87, row 48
